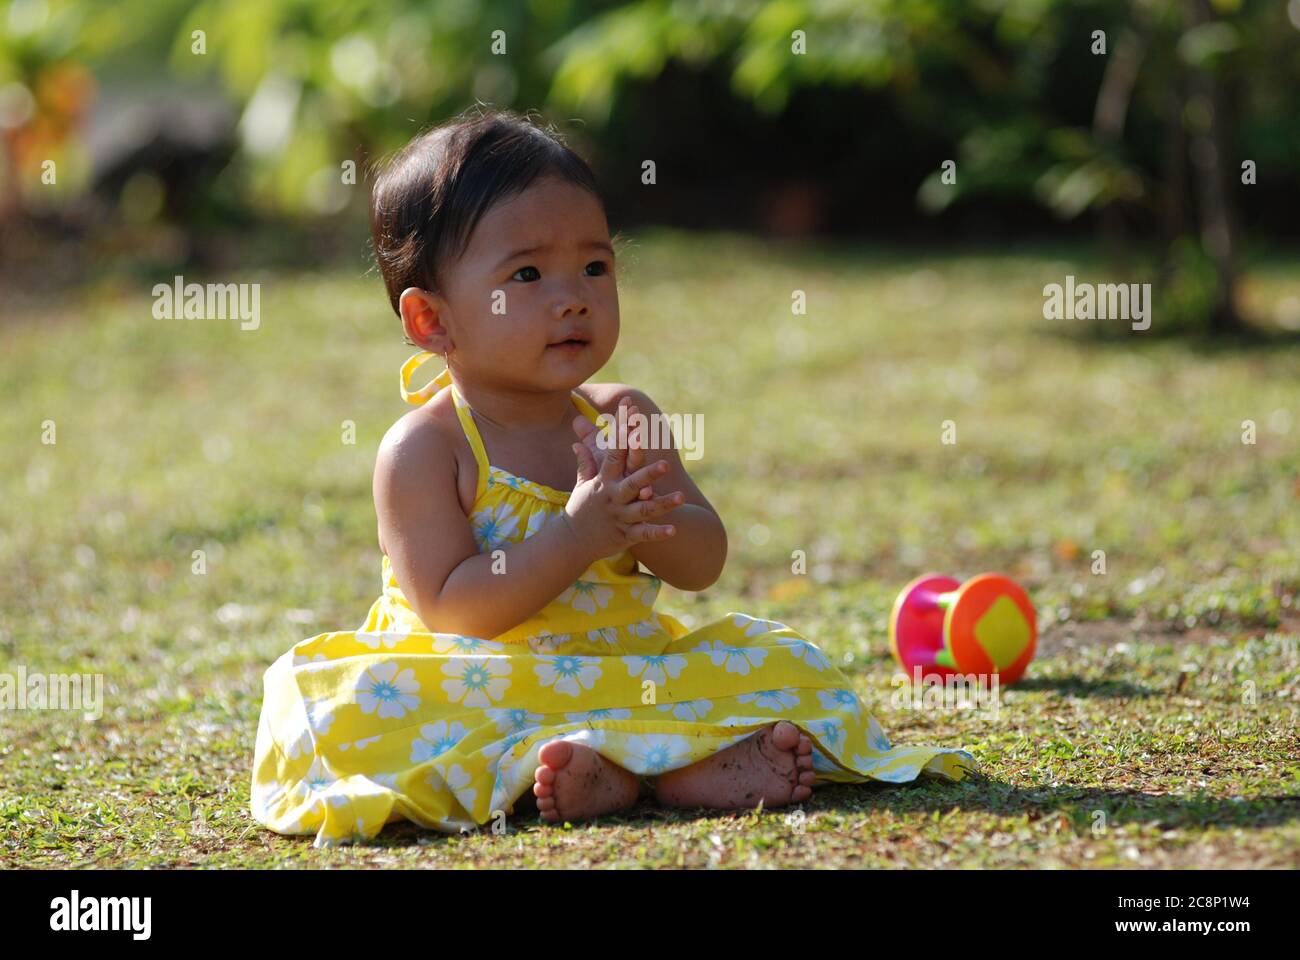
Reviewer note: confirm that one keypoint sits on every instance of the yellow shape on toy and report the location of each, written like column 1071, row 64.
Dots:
column 1002, row 632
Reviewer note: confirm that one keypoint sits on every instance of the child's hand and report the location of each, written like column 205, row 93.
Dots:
column 605, row 511
column 589, row 433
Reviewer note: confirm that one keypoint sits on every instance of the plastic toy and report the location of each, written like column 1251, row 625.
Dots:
column 984, row 626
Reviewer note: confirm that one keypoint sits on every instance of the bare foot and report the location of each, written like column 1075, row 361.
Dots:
column 774, row 765
column 574, row 782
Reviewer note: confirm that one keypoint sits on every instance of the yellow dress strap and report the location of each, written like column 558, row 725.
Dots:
column 431, row 389
column 475, row 442
column 465, row 415
column 590, row 412
column 418, row 397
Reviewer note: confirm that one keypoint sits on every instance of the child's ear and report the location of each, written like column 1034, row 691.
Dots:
column 422, row 320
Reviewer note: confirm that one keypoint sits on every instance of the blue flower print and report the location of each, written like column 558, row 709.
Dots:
column 436, row 739
column 839, row 700
column 689, row 710
column 513, row 719
column 830, row 730
column 771, row 699
column 876, row 737
column 603, row 713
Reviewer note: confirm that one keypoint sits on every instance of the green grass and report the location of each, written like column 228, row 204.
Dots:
column 1157, row 726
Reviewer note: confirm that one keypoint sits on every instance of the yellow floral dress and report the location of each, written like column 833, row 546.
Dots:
column 393, row 721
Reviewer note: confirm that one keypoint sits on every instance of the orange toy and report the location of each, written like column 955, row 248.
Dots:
column 984, row 626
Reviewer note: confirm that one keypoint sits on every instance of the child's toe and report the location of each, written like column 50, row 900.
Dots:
column 785, row 735
column 555, row 754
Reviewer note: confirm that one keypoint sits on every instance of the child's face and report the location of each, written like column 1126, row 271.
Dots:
column 543, row 258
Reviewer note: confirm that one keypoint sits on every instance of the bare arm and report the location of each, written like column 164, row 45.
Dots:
column 694, row 558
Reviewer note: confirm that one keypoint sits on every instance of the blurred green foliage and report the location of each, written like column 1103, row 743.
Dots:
column 321, row 81
column 1077, row 105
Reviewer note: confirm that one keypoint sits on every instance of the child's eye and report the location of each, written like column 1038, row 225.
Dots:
column 601, row 268
column 535, row 274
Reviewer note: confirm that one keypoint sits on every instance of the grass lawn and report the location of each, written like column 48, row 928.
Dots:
column 1157, row 727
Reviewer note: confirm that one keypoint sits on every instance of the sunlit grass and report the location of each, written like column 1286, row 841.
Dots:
column 823, row 435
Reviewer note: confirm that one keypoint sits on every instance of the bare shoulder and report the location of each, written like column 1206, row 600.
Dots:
column 421, row 454
column 420, row 439
column 605, row 397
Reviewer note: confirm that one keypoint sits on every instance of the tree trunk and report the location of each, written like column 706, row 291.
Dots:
column 1210, row 153
column 1113, row 98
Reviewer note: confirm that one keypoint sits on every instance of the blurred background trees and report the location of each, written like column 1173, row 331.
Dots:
column 1169, row 128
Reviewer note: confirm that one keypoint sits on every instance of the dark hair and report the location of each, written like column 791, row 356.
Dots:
column 430, row 195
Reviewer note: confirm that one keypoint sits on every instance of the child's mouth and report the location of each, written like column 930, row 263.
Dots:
column 570, row 345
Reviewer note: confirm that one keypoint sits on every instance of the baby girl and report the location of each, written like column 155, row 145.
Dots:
column 516, row 653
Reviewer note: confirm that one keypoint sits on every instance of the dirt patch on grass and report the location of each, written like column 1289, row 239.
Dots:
column 1089, row 633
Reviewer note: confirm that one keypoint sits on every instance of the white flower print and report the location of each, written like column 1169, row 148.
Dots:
column 494, row 527
column 536, row 520
column 513, row 718
column 590, row 738
column 839, row 700
column 900, row 774
column 607, row 635
column 822, row 762
column 389, row 637
column 300, row 659
column 465, row 646
column 388, row 781
column 500, row 771
column 604, row 713
column 646, row 590
column 657, row 668
column 866, row 764
column 830, row 730
column 504, row 768
column 506, row 479
column 755, row 627
column 503, row 746
column 547, row 642
column 688, row 709
column 382, row 687
column 477, row 681
column 458, row 780
column 319, row 777
column 771, row 699
column 656, row 752
column 358, row 744
column 569, row 674
column 645, row 628
column 300, row 745
column 736, row 659
column 265, row 798
column 876, row 737
column 436, row 739
column 319, row 717
column 498, row 795
column 805, row 651
column 587, row 596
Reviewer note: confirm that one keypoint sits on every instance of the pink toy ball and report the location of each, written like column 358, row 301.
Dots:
column 985, row 626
